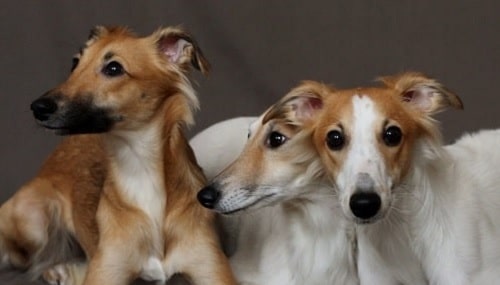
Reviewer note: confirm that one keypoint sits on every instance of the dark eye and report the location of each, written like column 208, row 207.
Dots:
column 392, row 136
column 335, row 140
column 112, row 69
column 74, row 63
column 275, row 139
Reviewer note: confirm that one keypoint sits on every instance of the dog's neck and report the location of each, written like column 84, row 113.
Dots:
column 420, row 193
column 309, row 233
column 432, row 189
column 429, row 178
column 136, row 167
column 155, row 161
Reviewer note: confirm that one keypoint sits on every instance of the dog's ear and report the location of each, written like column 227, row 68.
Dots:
column 97, row 32
column 181, row 49
column 422, row 93
column 301, row 104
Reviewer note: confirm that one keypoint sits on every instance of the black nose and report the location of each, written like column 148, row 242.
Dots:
column 365, row 205
column 43, row 107
column 208, row 196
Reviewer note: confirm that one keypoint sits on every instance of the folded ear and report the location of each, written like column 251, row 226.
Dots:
column 181, row 49
column 301, row 104
column 423, row 93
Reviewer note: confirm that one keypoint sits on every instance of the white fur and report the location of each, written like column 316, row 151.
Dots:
column 457, row 229
column 299, row 239
column 310, row 246
column 444, row 216
column 385, row 252
column 153, row 271
column 363, row 157
column 135, row 166
column 386, row 255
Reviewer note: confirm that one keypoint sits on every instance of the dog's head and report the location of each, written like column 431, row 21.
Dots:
column 367, row 139
column 120, row 81
column 278, row 162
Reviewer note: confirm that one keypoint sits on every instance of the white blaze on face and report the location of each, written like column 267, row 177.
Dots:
column 363, row 159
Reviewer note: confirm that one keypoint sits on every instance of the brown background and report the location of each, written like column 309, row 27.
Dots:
column 259, row 50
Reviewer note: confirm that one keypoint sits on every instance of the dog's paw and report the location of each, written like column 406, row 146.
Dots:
column 57, row 275
column 65, row 274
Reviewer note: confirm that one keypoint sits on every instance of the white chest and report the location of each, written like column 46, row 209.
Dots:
column 307, row 249
column 138, row 171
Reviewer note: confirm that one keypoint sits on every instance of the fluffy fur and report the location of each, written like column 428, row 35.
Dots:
column 289, row 228
column 436, row 205
column 123, row 189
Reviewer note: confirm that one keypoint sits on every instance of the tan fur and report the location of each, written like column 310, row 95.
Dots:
column 80, row 187
column 50, row 200
column 258, row 162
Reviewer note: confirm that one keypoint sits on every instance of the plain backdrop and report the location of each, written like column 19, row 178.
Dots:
column 258, row 50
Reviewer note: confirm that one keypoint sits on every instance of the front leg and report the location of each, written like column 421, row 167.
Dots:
column 125, row 247
column 201, row 260
column 112, row 265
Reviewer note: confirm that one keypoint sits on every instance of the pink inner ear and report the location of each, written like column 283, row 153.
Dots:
column 306, row 107
column 408, row 96
column 315, row 103
column 172, row 47
column 420, row 98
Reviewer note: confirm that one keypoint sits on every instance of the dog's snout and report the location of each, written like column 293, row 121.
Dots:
column 208, row 196
column 365, row 205
column 43, row 107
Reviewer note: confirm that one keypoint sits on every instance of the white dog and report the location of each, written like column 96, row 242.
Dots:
column 293, row 231
column 382, row 150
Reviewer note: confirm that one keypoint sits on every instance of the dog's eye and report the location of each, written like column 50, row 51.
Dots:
column 335, row 140
column 392, row 136
column 275, row 140
column 74, row 63
column 112, row 69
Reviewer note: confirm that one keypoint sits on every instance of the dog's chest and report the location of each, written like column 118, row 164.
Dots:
column 323, row 252
column 306, row 249
column 144, row 188
column 386, row 256
column 138, row 172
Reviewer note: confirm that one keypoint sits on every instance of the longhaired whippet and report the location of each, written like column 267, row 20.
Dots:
column 289, row 229
column 258, row 232
column 383, row 152
column 124, row 187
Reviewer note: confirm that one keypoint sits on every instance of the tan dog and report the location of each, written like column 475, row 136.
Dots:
column 127, row 195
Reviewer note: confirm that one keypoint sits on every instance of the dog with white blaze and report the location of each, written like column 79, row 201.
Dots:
column 410, row 196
